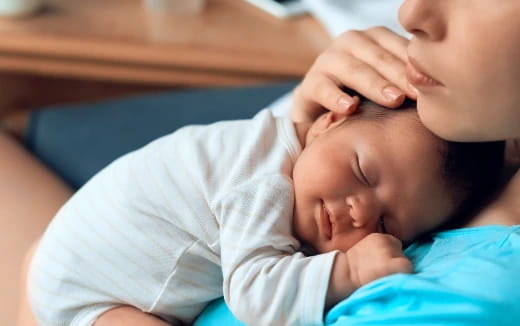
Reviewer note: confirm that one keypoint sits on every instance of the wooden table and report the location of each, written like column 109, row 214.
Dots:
column 82, row 49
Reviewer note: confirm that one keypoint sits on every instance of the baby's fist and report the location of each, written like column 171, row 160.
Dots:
column 375, row 256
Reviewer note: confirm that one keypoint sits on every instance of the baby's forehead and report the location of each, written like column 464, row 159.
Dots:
column 406, row 119
column 399, row 129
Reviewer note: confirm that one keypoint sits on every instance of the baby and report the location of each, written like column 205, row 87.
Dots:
column 227, row 209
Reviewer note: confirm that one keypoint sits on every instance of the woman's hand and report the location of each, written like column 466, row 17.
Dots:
column 375, row 256
column 372, row 62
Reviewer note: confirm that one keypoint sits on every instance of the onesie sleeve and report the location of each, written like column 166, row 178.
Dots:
column 266, row 281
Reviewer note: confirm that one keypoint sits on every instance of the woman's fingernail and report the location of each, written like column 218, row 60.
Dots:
column 393, row 93
column 346, row 104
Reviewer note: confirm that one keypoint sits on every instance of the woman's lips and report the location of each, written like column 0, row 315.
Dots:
column 418, row 78
column 325, row 223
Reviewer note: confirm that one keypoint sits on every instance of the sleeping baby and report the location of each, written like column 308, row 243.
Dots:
column 283, row 219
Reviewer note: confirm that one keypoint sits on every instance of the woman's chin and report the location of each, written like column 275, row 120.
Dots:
column 450, row 122
column 447, row 124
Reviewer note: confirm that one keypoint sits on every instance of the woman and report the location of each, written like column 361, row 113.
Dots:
column 463, row 65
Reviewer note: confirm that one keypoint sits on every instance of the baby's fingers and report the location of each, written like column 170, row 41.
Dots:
column 399, row 265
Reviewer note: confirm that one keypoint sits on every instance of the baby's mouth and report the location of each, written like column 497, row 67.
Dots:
column 325, row 224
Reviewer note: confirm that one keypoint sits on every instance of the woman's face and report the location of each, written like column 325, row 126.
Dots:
column 465, row 63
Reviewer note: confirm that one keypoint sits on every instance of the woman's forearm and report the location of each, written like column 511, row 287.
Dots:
column 128, row 316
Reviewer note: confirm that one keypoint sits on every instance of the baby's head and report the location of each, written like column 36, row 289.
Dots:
column 381, row 170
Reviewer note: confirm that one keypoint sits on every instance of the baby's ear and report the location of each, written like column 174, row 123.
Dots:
column 326, row 121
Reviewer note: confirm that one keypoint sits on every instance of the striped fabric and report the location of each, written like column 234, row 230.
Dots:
column 200, row 213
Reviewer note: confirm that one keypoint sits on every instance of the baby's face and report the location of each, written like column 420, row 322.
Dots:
column 351, row 177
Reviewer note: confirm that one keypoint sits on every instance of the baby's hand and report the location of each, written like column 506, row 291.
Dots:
column 375, row 256
column 372, row 62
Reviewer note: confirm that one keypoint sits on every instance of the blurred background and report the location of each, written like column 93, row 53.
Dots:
column 65, row 51
column 54, row 53
column 62, row 53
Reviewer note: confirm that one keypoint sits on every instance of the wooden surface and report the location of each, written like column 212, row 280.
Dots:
column 229, row 43
column 21, row 92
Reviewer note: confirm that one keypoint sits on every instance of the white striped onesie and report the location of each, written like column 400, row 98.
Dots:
column 200, row 213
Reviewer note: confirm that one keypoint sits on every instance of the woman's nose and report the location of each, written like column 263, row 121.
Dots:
column 424, row 18
column 364, row 209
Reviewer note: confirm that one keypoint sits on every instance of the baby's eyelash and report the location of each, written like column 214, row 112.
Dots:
column 363, row 177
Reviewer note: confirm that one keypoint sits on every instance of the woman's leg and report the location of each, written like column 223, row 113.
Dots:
column 30, row 195
column 25, row 316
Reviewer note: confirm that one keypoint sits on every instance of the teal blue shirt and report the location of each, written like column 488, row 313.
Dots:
column 462, row 277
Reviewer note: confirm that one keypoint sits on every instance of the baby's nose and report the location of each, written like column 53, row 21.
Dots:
column 364, row 210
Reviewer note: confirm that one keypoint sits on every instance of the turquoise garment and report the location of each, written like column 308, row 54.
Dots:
column 463, row 277
column 466, row 276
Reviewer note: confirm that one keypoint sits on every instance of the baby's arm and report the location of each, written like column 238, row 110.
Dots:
column 265, row 280
column 128, row 316
column 375, row 256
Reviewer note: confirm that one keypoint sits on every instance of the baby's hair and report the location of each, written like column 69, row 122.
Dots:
column 472, row 171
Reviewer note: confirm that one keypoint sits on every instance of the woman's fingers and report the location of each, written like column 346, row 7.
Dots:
column 328, row 93
column 397, row 45
column 385, row 52
column 320, row 91
column 371, row 62
column 389, row 67
column 363, row 77
column 389, row 40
